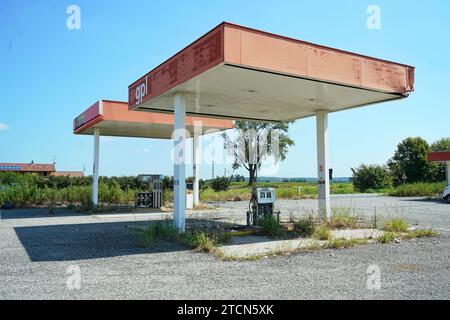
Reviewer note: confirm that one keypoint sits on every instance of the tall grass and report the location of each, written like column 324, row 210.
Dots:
column 396, row 225
column 420, row 189
column 284, row 190
column 343, row 218
column 29, row 195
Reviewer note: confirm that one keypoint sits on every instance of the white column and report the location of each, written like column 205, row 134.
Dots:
column 95, row 170
column 196, row 168
column 448, row 172
column 179, row 184
column 322, row 164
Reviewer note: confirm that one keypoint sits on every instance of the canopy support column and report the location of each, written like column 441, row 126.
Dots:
column 448, row 172
column 196, row 168
column 322, row 164
column 179, row 183
column 95, row 169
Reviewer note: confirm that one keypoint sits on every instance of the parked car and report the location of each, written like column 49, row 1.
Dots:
column 446, row 194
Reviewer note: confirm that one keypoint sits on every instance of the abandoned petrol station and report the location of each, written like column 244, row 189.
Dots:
column 238, row 73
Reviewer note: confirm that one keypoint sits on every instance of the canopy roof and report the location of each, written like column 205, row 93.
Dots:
column 439, row 156
column 242, row 73
column 114, row 119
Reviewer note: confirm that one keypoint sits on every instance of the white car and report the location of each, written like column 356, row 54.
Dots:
column 446, row 194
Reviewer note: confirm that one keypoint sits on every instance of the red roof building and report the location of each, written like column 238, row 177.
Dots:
column 38, row 168
column 41, row 169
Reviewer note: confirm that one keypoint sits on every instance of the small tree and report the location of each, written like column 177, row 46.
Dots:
column 371, row 177
column 255, row 141
column 410, row 158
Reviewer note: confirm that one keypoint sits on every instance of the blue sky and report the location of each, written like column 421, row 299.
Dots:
column 50, row 74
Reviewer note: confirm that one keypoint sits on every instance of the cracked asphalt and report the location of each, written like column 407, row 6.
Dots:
column 41, row 254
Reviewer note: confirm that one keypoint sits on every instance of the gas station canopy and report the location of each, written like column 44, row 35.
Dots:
column 114, row 119
column 241, row 73
column 439, row 156
column 236, row 72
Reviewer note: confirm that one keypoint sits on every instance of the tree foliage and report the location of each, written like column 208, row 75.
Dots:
column 220, row 184
column 371, row 177
column 256, row 141
column 410, row 159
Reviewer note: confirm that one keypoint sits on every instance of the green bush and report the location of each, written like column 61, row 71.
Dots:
column 220, row 184
column 271, row 226
column 305, row 226
column 371, row 177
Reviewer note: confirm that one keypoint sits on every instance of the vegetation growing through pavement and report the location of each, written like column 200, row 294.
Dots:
column 271, row 226
column 316, row 231
column 201, row 240
column 396, row 225
column 305, row 226
column 323, row 232
column 398, row 228
column 343, row 218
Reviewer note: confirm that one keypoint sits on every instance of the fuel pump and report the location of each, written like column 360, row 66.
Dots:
column 261, row 205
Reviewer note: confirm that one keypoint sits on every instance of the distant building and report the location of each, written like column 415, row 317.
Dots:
column 68, row 174
column 38, row 168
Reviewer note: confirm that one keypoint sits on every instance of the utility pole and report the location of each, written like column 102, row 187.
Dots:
column 213, row 170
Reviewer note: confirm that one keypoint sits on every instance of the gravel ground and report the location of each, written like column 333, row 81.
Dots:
column 37, row 249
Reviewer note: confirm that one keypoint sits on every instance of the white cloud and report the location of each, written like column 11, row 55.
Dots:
column 4, row 127
column 143, row 150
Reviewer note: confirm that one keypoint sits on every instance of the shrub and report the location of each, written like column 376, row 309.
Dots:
column 220, row 184
column 305, row 226
column 271, row 226
column 371, row 177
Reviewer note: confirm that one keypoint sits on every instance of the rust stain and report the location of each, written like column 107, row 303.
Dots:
column 191, row 61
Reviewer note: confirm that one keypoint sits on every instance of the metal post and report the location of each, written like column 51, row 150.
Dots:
column 196, row 169
column 179, row 194
column 448, row 172
column 95, row 170
column 322, row 164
